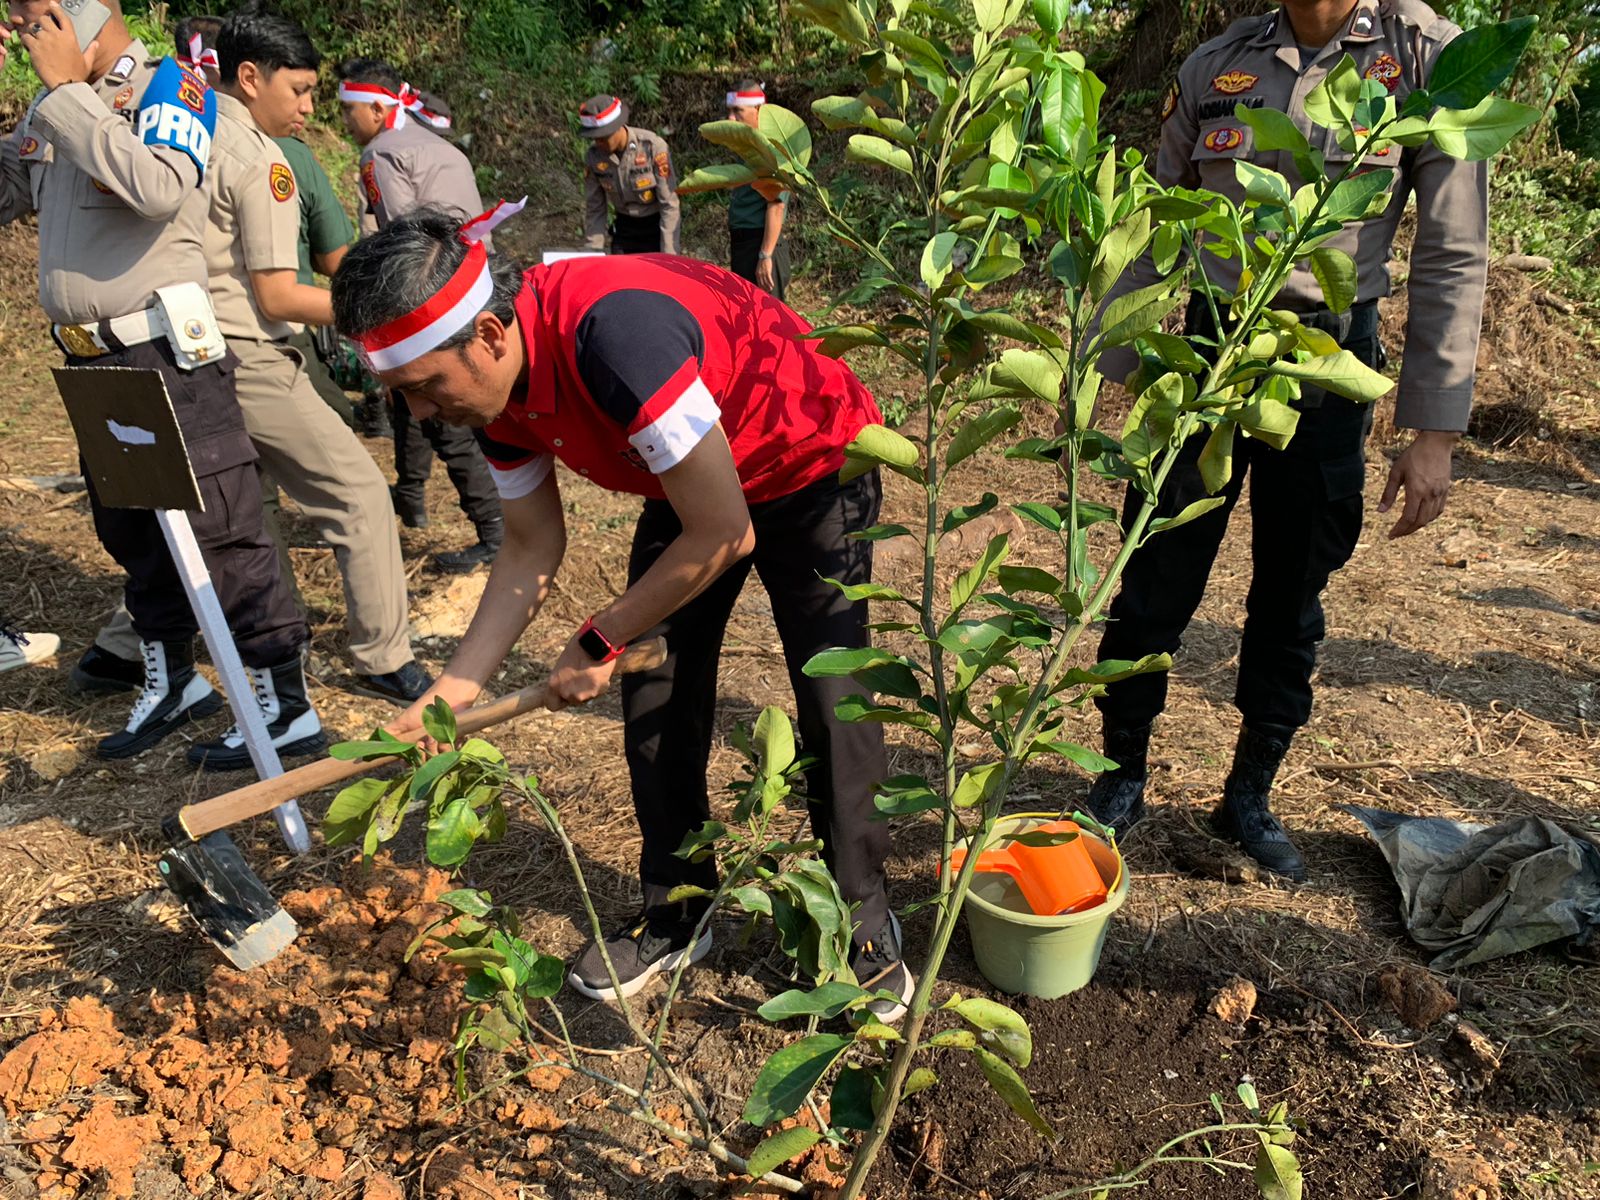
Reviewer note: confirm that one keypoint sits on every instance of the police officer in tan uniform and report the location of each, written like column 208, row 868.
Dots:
column 630, row 170
column 112, row 155
column 406, row 165
column 267, row 76
column 1306, row 500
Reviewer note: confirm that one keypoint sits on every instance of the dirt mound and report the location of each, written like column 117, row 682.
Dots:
column 336, row 1049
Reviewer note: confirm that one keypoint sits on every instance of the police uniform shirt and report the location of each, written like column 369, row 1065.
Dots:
column 1257, row 62
column 255, row 221
column 639, row 181
column 413, row 167
column 632, row 361
column 119, row 217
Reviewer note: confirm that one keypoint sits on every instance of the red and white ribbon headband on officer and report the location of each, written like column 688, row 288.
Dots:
column 751, row 99
column 608, row 114
column 408, row 101
column 199, row 56
column 451, row 309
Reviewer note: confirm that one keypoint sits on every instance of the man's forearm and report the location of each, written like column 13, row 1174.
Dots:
column 774, row 228
column 518, row 583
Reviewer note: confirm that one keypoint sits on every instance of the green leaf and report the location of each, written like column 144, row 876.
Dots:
column 876, row 151
column 906, row 801
column 788, row 132
column 439, row 721
column 774, row 740
column 834, row 664
column 749, row 144
column 382, row 744
column 1082, row 755
column 839, row 340
column 451, row 834
column 1005, row 1080
column 1051, row 14
column 356, row 800
column 1261, row 185
column 716, row 179
column 827, row 1002
column 920, row 1080
column 1342, row 373
column 778, row 1149
column 937, row 257
column 878, row 445
column 1274, row 130
column 1336, row 274
column 1476, row 62
column 978, row 785
column 954, row 1039
column 845, row 112
column 1117, row 251
column 1480, row 133
column 1042, row 515
column 1114, row 669
column 786, row 1079
column 1198, row 509
column 1216, row 460
column 1135, row 313
column 991, row 14
column 960, row 515
column 430, row 772
column 851, row 1105
column 1031, row 373
column 1029, row 579
column 970, row 580
column 481, row 751
column 880, row 533
column 1353, row 197
column 842, row 17
column 979, row 432
column 1277, row 1173
column 467, row 901
column 1332, row 103
column 868, row 591
column 1271, row 421
column 1003, row 1029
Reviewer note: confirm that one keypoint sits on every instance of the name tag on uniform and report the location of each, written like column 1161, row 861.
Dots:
column 178, row 110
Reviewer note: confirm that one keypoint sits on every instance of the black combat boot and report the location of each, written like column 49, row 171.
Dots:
column 490, row 534
column 292, row 723
column 1245, row 814
column 102, row 671
column 1117, row 796
column 173, row 695
column 372, row 418
column 412, row 511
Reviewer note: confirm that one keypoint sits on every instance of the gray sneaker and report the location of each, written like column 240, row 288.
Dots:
column 878, row 967
column 642, row 949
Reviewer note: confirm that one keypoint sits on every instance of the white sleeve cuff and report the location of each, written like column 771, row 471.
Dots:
column 667, row 441
column 517, row 482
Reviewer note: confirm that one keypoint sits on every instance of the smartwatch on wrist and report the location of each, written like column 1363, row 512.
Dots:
column 596, row 645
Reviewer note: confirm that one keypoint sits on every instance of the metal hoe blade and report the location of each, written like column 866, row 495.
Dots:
column 233, row 907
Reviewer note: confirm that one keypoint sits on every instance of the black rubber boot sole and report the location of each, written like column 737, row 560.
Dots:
column 239, row 760
column 149, row 736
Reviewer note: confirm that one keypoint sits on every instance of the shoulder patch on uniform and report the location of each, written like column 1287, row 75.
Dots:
column 178, row 110
column 281, row 180
column 1234, row 83
column 1219, row 140
column 369, row 183
column 28, row 147
column 1169, row 101
column 663, row 164
column 122, row 68
column 122, row 98
column 600, row 168
column 1385, row 70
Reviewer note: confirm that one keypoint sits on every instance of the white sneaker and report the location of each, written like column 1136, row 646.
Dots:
column 25, row 649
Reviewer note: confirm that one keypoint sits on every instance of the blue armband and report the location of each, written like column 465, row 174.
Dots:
column 178, row 110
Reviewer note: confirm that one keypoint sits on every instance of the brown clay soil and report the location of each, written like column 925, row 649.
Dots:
column 1457, row 679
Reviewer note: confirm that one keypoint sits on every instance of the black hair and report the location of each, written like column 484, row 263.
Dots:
column 207, row 27
column 272, row 42
column 750, row 85
column 370, row 70
column 401, row 268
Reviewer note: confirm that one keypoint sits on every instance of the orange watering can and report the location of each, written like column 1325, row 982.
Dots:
column 1053, row 879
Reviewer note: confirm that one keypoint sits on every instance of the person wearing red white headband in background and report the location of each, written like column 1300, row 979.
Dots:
column 405, row 165
column 755, row 221
column 674, row 380
column 630, row 170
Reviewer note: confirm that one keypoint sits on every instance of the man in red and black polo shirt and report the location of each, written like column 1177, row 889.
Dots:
column 680, row 382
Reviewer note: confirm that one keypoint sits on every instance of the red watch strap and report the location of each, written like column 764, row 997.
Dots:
column 613, row 651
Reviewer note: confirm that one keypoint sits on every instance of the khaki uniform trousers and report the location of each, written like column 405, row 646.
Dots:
column 321, row 466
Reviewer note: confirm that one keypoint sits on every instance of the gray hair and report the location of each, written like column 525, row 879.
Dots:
column 401, row 268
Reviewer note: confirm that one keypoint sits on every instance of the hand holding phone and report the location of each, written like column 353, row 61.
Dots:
column 88, row 17
column 54, row 48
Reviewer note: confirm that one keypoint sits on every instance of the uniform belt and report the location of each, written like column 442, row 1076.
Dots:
column 110, row 334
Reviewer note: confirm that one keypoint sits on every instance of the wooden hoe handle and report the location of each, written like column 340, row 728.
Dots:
column 208, row 816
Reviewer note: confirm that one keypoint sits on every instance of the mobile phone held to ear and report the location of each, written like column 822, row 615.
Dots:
column 89, row 17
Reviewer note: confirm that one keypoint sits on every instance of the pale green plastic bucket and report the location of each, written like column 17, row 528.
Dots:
column 1025, row 954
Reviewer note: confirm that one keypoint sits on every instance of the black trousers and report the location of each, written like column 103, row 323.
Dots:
column 1305, row 512
column 635, row 235
column 240, row 557
column 670, row 712
column 415, row 444
column 744, row 246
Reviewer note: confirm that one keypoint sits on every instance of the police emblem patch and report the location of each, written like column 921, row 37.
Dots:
column 1169, row 102
column 1219, row 140
column 663, row 165
column 600, row 168
column 1385, row 70
column 29, row 147
column 648, row 196
column 123, row 97
column 369, row 183
column 192, row 91
column 281, row 180
column 195, row 329
column 1233, row 83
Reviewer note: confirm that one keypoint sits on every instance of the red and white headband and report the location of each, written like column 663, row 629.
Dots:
column 199, row 56
column 604, row 117
column 754, row 98
column 407, row 101
column 450, row 310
